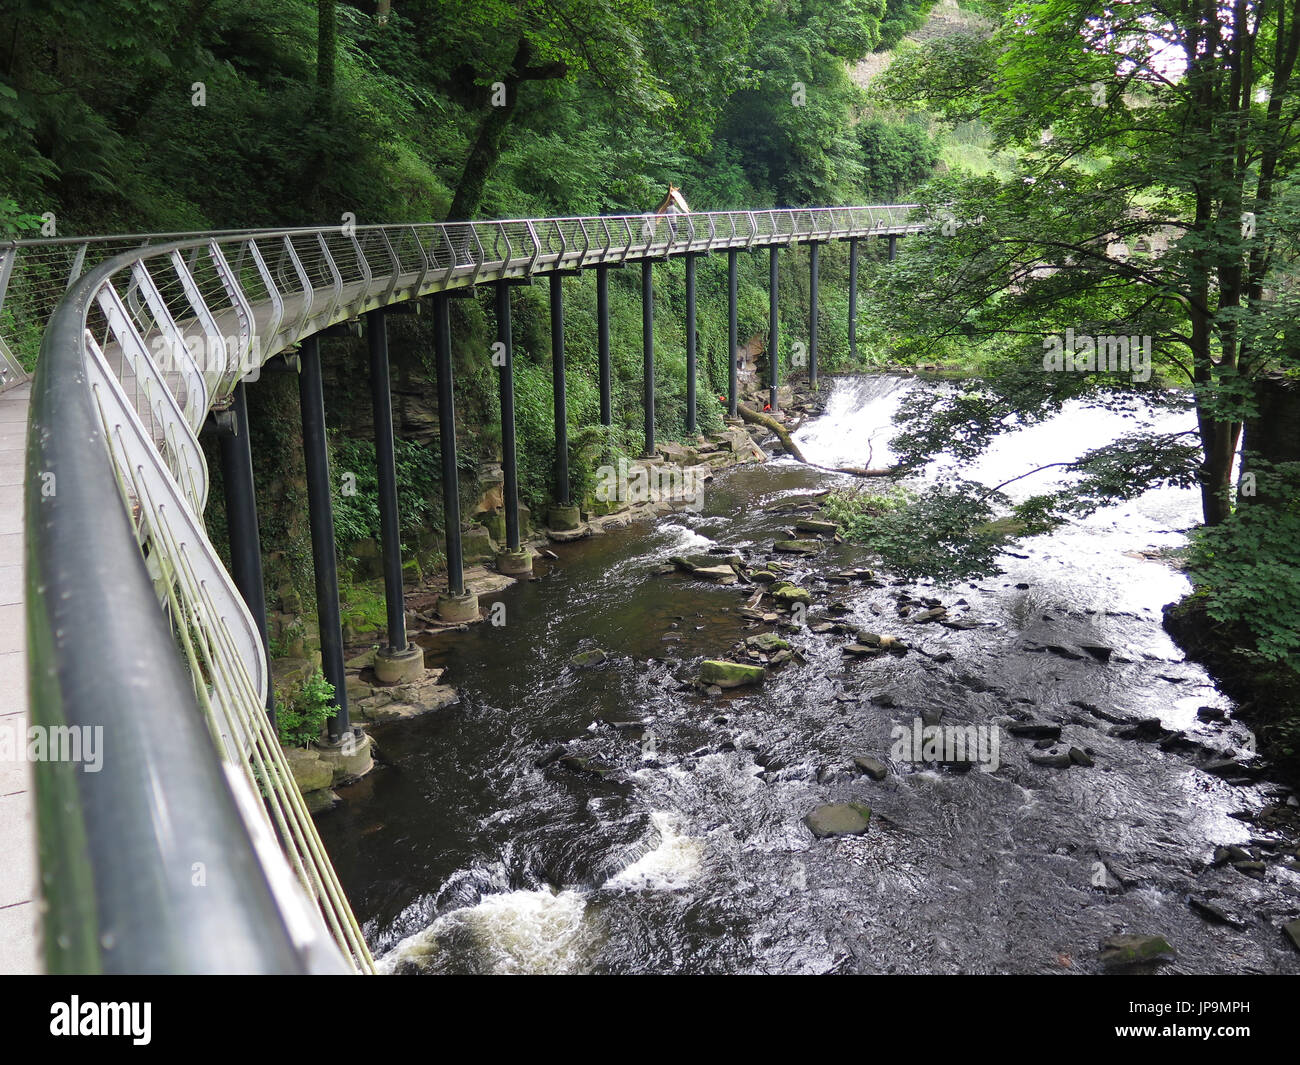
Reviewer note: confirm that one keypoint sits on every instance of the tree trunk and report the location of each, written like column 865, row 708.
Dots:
column 1271, row 436
column 483, row 155
column 755, row 418
column 326, row 46
column 482, row 159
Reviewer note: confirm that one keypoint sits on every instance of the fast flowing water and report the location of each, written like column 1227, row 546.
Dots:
column 460, row 854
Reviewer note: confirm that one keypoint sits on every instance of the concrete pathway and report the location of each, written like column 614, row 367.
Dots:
column 18, row 911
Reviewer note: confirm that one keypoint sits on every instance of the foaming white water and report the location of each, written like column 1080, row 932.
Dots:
column 670, row 866
column 857, row 424
column 516, row 932
column 682, row 538
column 541, row 932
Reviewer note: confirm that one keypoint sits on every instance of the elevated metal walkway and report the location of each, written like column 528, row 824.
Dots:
column 191, row 850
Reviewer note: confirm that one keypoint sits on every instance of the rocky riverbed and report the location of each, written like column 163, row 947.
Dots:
column 724, row 741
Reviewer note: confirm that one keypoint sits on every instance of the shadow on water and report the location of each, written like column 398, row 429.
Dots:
column 460, row 854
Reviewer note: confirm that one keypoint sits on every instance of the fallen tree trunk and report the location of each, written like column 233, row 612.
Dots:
column 767, row 422
column 754, row 417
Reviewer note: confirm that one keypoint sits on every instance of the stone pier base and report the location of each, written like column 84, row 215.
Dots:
column 515, row 563
column 399, row 667
column 458, row 609
column 564, row 519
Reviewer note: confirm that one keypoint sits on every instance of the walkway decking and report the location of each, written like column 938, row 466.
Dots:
column 18, row 913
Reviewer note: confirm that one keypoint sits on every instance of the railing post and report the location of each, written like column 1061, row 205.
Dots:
column 853, row 299
column 457, row 605
column 648, row 351
column 774, row 327
column 690, row 342
column 733, row 386
column 398, row 662
column 814, row 250
column 311, row 397
column 893, row 247
column 512, row 560
column 241, row 524
column 602, row 344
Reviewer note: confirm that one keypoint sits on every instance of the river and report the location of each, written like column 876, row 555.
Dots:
column 461, row 855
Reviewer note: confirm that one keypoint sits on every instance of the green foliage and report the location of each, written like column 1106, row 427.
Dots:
column 356, row 487
column 1245, row 567
column 301, row 714
column 895, row 158
column 943, row 531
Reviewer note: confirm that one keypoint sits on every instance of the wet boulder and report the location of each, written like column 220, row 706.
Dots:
column 797, row 547
column 871, row 766
column 1034, row 730
column 1132, row 949
column 714, row 671
column 818, row 528
column 839, row 819
column 789, row 594
column 767, row 642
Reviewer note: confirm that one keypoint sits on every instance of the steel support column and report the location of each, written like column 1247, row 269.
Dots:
column 853, row 299
column 557, row 385
column 447, row 443
column 381, row 402
column 311, row 396
column 242, row 527
column 733, row 386
column 774, row 327
column 602, row 344
column 690, row 343
column 648, row 350
column 509, row 457
column 893, row 248
column 814, row 251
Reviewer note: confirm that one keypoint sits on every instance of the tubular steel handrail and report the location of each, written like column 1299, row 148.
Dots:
column 167, row 860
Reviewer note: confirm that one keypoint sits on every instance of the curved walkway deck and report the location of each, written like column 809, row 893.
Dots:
column 18, row 909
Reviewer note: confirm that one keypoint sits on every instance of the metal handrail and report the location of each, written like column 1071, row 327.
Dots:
column 120, row 571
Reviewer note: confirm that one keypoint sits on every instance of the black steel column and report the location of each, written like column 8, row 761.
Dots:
column 814, row 250
column 773, row 356
column 733, row 388
column 509, row 459
column 602, row 344
column 447, row 443
column 241, row 526
column 557, row 385
column 690, row 343
column 311, row 397
column 390, row 534
column 893, row 248
column 853, row 298
column 648, row 348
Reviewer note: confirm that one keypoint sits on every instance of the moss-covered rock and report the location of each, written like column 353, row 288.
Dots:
column 729, row 674
column 1132, row 949
column 797, row 547
column 309, row 772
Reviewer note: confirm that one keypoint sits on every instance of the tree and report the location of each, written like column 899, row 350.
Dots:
column 1156, row 142
column 543, row 40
